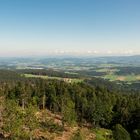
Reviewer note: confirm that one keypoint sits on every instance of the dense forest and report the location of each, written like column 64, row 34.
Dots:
column 95, row 103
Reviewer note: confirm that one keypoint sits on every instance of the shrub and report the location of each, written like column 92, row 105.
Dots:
column 77, row 136
column 120, row 133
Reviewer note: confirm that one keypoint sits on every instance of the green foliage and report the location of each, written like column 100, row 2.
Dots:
column 136, row 134
column 68, row 111
column 17, row 122
column 12, row 118
column 120, row 133
column 98, row 103
column 103, row 134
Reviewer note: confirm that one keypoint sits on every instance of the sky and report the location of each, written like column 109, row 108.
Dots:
column 79, row 27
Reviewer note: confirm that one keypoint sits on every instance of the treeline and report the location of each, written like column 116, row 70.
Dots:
column 49, row 72
column 91, row 73
column 63, row 74
column 81, row 103
column 9, row 75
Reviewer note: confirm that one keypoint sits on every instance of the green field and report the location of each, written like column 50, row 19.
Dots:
column 128, row 78
column 69, row 80
column 107, row 70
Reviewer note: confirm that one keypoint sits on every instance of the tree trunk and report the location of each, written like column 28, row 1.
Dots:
column 23, row 104
column 44, row 101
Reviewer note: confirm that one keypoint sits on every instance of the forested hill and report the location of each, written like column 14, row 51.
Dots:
column 120, row 88
column 78, row 104
column 9, row 75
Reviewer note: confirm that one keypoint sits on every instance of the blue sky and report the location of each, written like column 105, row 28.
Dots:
column 95, row 27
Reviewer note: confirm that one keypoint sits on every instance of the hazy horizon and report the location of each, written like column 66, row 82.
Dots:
column 78, row 28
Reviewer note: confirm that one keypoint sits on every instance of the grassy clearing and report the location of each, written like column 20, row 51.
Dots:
column 107, row 70
column 128, row 78
column 69, row 80
column 110, row 77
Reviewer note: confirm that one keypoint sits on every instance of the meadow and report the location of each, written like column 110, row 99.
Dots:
column 68, row 80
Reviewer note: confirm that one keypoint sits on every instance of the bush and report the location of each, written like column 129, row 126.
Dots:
column 120, row 133
column 136, row 134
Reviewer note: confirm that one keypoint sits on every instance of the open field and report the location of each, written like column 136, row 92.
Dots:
column 69, row 80
column 122, row 78
column 112, row 68
column 107, row 70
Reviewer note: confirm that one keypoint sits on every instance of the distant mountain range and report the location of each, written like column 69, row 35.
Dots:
column 69, row 60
